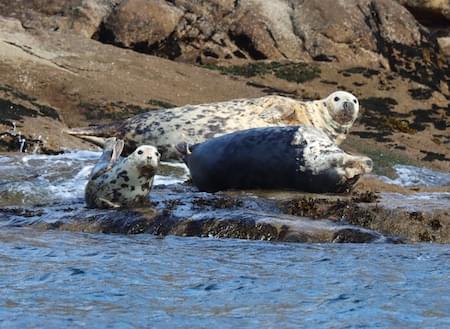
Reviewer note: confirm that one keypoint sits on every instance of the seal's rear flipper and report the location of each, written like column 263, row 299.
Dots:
column 111, row 154
column 96, row 134
column 183, row 148
column 116, row 152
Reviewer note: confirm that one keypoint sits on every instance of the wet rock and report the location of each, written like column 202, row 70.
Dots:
column 394, row 214
column 182, row 211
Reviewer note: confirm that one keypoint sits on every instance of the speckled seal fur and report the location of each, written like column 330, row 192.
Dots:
column 165, row 128
column 121, row 182
column 293, row 157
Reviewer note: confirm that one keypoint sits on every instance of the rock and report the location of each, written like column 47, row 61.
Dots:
column 181, row 211
column 59, row 79
column 257, row 215
column 142, row 25
column 79, row 16
column 429, row 12
column 370, row 33
column 444, row 43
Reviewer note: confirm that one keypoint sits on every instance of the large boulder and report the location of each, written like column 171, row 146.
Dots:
column 141, row 24
column 435, row 15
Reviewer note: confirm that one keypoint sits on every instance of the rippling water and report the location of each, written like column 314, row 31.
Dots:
column 54, row 279
column 59, row 280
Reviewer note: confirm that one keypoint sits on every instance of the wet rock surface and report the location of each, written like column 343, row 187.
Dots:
column 256, row 215
column 180, row 210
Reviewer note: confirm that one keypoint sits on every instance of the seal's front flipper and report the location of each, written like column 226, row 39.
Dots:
column 275, row 114
column 109, row 203
column 96, row 134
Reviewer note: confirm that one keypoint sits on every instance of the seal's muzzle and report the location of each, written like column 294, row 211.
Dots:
column 348, row 107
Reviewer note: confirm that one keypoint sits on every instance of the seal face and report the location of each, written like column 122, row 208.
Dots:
column 343, row 108
column 165, row 128
column 116, row 181
column 294, row 157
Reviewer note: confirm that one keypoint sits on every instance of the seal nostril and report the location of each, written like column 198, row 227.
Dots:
column 348, row 106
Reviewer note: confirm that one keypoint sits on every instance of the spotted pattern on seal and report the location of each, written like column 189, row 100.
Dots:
column 334, row 115
column 126, row 182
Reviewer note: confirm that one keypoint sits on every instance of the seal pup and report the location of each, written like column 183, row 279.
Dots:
column 164, row 128
column 293, row 157
column 117, row 182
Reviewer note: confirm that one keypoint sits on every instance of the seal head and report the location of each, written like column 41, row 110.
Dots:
column 343, row 107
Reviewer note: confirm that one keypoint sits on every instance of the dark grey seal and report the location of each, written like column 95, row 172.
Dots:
column 294, row 157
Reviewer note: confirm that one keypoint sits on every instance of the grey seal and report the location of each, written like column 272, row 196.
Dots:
column 164, row 128
column 121, row 182
column 293, row 157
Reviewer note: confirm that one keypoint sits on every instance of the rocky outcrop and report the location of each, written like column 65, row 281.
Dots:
column 431, row 13
column 373, row 33
column 255, row 215
column 50, row 80
column 365, row 32
column 79, row 16
column 142, row 25
column 435, row 15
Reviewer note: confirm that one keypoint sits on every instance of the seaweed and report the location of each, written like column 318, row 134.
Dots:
column 293, row 72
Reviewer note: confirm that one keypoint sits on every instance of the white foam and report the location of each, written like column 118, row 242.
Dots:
column 409, row 176
column 417, row 201
column 37, row 178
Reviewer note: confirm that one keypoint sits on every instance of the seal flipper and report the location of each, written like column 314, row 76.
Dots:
column 97, row 134
column 275, row 114
column 109, row 203
column 111, row 154
column 184, row 149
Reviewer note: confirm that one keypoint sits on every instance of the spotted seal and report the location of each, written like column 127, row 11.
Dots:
column 292, row 157
column 164, row 128
column 117, row 182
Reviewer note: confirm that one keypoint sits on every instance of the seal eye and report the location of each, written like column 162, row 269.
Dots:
column 336, row 99
column 140, row 152
column 355, row 101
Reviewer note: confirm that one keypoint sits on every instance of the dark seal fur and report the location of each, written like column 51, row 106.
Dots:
column 294, row 157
